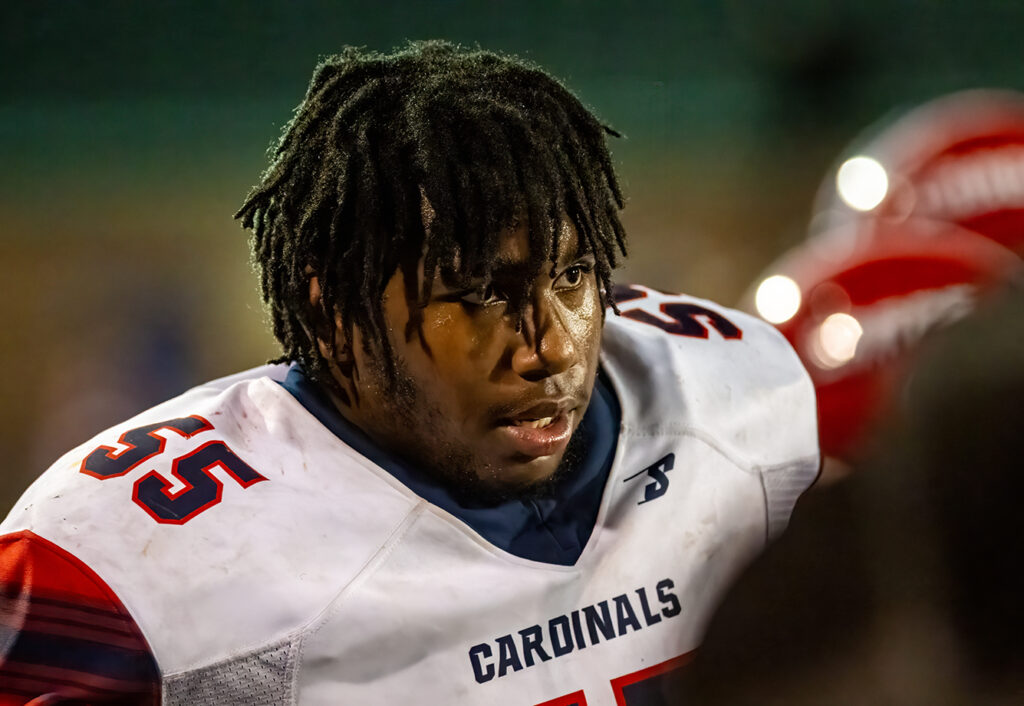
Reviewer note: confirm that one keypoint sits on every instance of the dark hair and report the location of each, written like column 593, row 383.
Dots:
column 467, row 140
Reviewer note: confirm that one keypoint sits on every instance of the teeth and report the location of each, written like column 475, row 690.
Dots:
column 535, row 423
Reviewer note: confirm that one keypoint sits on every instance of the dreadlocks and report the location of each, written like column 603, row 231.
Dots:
column 427, row 154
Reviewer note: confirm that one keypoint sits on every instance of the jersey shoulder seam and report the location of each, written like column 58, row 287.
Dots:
column 312, row 625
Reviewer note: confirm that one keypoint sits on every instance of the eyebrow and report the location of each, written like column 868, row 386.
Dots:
column 504, row 265
column 508, row 270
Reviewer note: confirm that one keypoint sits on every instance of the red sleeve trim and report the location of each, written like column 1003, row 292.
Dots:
column 64, row 634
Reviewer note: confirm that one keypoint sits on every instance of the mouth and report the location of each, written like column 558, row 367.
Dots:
column 543, row 430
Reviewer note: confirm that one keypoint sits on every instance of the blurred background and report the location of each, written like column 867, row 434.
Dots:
column 130, row 132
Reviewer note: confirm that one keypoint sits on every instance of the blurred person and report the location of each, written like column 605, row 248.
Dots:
column 918, row 222
column 902, row 583
column 473, row 476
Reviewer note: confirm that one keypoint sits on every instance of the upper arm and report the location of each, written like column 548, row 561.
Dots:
column 64, row 634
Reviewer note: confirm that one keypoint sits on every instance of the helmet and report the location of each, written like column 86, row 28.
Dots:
column 857, row 302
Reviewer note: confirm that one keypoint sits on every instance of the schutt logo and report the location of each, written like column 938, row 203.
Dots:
column 659, row 481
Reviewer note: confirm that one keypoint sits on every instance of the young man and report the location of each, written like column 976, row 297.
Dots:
column 462, row 482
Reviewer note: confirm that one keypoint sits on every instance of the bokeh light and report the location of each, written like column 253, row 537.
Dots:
column 777, row 299
column 835, row 343
column 862, row 183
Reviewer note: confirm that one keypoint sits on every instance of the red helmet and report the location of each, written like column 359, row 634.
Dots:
column 957, row 159
column 857, row 301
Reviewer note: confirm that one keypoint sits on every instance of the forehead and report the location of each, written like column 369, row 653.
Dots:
column 514, row 244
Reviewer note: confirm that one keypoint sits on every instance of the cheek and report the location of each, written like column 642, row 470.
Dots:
column 452, row 356
column 585, row 323
column 450, row 338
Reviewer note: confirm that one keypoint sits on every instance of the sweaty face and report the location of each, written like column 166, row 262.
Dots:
column 486, row 405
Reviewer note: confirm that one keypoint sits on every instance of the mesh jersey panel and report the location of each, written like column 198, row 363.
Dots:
column 260, row 678
column 782, row 488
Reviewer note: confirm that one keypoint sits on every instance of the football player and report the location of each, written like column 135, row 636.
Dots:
column 474, row 476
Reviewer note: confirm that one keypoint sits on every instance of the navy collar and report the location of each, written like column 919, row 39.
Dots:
column 552, row 529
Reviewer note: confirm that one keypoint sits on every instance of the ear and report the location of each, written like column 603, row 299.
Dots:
column 329, row 333
column 314, row 288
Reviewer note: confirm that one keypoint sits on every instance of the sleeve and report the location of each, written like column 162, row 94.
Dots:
column 64, row 634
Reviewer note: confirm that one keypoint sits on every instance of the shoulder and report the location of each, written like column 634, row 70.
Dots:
column 686, row 365
column 230, row 490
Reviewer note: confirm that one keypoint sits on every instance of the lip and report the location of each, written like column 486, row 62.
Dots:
column 540, row 409
column 535, row 443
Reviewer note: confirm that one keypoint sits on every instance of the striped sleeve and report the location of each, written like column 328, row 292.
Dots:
column 64, row 634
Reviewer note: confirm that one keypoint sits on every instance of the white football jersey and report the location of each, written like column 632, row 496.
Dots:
column 264, row 561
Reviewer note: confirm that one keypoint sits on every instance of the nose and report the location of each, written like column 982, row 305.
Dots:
column 545, row 345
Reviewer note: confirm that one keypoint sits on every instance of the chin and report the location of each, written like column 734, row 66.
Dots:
column 524, row 478
column 524, row 473
column 482, row 480
column 519, row 481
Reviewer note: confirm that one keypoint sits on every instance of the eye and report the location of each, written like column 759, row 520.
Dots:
column 572, row 276
column 488, row 295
